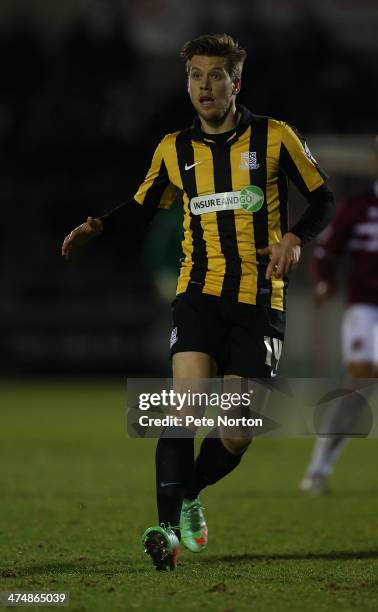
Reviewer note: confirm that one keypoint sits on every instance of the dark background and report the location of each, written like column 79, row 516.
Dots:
column 87, row 91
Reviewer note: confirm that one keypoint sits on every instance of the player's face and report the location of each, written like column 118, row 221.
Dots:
column 211, row 89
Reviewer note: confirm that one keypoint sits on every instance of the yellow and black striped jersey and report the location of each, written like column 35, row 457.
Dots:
column 234, row 194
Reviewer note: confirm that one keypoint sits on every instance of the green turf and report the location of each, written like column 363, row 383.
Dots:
column 77, row 493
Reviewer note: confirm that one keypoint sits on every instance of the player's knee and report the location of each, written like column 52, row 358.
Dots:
column 361, row 370
column 236, row 446
column 193, row 365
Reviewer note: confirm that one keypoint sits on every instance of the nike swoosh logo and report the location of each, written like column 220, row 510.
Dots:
column 189, row 166
column 167, row 484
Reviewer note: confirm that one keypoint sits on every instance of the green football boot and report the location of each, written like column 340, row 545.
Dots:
column 162, row 545
column 193, row 525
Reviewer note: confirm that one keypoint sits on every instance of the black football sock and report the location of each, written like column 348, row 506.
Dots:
column 174, row 468
column 213, row 463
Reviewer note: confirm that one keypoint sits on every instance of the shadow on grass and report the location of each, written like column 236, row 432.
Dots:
column 122, row 566
column 331, row 556
column 112, row 568
column 335, row 494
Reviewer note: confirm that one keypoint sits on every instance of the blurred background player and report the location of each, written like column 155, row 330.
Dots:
column 354, row 234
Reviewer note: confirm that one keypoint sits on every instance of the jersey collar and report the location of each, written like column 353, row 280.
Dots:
column 244, row 122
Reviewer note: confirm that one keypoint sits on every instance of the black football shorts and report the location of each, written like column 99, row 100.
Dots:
column 245, row 340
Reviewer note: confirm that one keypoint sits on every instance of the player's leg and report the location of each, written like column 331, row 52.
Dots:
column 175, row 448
column 193, row 346
column 358, row 348
column 255, row 349
column 255, row 343
column 236, row 439
column 219, row 453
column 216, row 459
column 192, row 368
column 174, row 467
column 340, row 422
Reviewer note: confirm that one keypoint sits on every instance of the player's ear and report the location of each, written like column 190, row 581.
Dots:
column 236, row 85
column 188, row 77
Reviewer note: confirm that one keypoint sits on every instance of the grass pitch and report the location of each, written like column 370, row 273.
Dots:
column 77, row 494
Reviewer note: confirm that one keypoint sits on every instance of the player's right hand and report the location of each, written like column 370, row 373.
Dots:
column 322, row 292
column 81, row 235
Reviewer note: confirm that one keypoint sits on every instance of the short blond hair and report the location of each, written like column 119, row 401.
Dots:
column 216, row 45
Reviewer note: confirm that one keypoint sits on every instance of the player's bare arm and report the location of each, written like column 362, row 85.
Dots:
column 81, row 235
column 284, row 255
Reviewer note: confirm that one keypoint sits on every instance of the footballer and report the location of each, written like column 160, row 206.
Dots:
column 353, row 232
column 231, row 169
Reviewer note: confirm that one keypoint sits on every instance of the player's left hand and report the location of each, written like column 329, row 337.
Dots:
column 284, row 255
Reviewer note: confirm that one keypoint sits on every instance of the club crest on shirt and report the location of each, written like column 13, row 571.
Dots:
column 248, row 160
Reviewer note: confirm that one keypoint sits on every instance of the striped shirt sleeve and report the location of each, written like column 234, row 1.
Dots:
column 156, row 191
column 297, row 162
